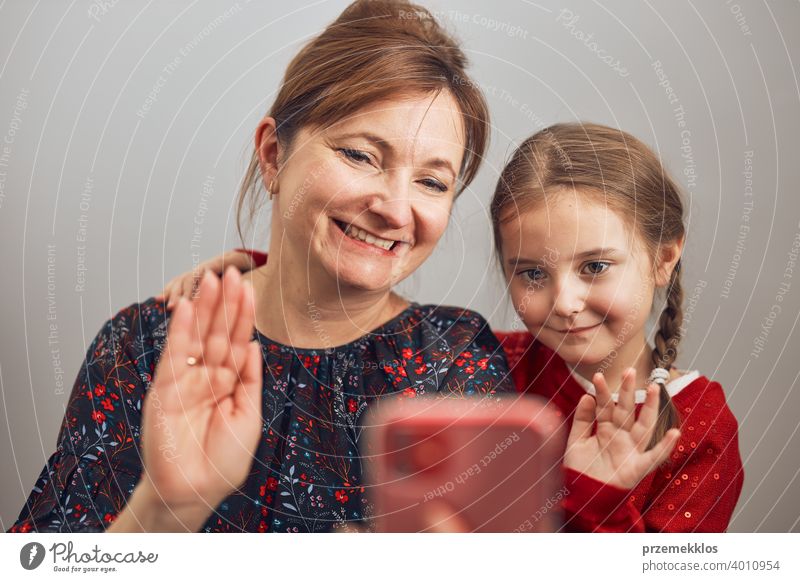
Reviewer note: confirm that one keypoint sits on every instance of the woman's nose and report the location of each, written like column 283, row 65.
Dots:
column 392, row 204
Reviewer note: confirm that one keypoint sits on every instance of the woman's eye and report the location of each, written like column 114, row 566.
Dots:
column 355, row 155
column 434, row 185
column 596, row 267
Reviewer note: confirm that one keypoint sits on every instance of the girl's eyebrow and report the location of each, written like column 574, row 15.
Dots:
column 515, row 261
column 608, row 252
column 600, row 251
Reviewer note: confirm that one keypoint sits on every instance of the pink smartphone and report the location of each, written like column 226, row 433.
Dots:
column 494, row 462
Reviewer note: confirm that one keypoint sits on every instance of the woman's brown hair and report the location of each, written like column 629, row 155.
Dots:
column 376, row 49
column 624, row 174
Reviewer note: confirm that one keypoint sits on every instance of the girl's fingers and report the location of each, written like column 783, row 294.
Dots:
column 218, row 341
column 663, row 449
column 583, row 420
column 605, row 404
column 169, row 296
column 648, row 416
column 626, row 404
column 188, row 287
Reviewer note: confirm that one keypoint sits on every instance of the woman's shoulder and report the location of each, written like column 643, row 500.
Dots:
column 447, row 317
column 139, row 329
column 149, row 317
column 451, row 325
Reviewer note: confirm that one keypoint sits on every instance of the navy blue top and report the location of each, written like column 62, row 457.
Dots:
column 306, row 474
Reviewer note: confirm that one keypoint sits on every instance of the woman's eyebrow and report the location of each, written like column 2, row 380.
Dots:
column 385, row 145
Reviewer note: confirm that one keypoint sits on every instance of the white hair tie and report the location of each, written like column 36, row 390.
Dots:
column 659, row 376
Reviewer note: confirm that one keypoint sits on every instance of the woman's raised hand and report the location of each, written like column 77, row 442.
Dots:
column 202, row 415
column 616, row 453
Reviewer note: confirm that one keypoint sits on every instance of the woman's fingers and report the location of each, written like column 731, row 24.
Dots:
column 218, row 340
column 583, row 420
column 242, row 327
column 206, row 304
column 247, row 396
column 626, row 405
column 173, row 362
column 605, row 404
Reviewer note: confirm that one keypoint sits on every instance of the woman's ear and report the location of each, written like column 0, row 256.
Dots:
column 268, row 151
column 668, row 256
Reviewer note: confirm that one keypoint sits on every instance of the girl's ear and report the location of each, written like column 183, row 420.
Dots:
column 669, row 255
column 267, row 147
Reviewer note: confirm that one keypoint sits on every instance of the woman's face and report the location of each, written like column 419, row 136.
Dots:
column 579, row 279
column 365, row 201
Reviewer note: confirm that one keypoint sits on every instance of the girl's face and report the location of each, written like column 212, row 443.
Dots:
column 364, row 203
column 579, row 278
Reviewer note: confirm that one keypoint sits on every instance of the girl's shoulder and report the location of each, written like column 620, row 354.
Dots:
column 690, row 387
column 516, row 344
column 701, row 401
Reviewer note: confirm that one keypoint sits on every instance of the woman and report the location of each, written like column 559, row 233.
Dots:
column 373, row 134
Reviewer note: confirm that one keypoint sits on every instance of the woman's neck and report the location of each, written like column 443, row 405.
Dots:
column 635, row 353
column 291, row 309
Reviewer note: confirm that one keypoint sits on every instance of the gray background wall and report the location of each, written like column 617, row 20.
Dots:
column 120, row 125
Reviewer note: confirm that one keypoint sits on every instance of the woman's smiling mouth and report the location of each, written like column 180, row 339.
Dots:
column 365, row 238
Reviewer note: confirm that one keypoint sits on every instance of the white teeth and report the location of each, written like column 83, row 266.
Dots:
column 362, row 235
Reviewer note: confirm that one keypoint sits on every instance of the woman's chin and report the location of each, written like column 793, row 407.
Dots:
column 364, row 279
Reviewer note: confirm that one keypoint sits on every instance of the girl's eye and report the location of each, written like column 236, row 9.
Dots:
column 355, row 155
column 434, row 185
column 535, row 275
column 596, row 267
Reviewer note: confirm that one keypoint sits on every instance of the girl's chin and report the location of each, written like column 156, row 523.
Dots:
column 580, row 356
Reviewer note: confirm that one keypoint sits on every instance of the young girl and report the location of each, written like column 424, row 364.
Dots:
column 589, row 227
column 589, row 231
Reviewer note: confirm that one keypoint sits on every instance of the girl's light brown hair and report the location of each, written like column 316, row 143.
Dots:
column 621, row 172
column 375, row 50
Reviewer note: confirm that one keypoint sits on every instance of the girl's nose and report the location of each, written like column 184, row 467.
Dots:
column 569, row 300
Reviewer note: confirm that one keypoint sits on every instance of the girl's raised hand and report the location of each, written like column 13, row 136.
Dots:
column 616, row 453
column 202, row 415
column 186, row 284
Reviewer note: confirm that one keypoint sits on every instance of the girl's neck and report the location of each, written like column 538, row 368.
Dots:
column 635, row 353
column 291, row 309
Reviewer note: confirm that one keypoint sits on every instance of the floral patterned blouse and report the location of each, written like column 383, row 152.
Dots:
column 306, row 474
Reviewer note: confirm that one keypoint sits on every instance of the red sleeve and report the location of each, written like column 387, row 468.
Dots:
column 699, row 490
column 696, row 491
column 593, row 506
column 259, row 258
